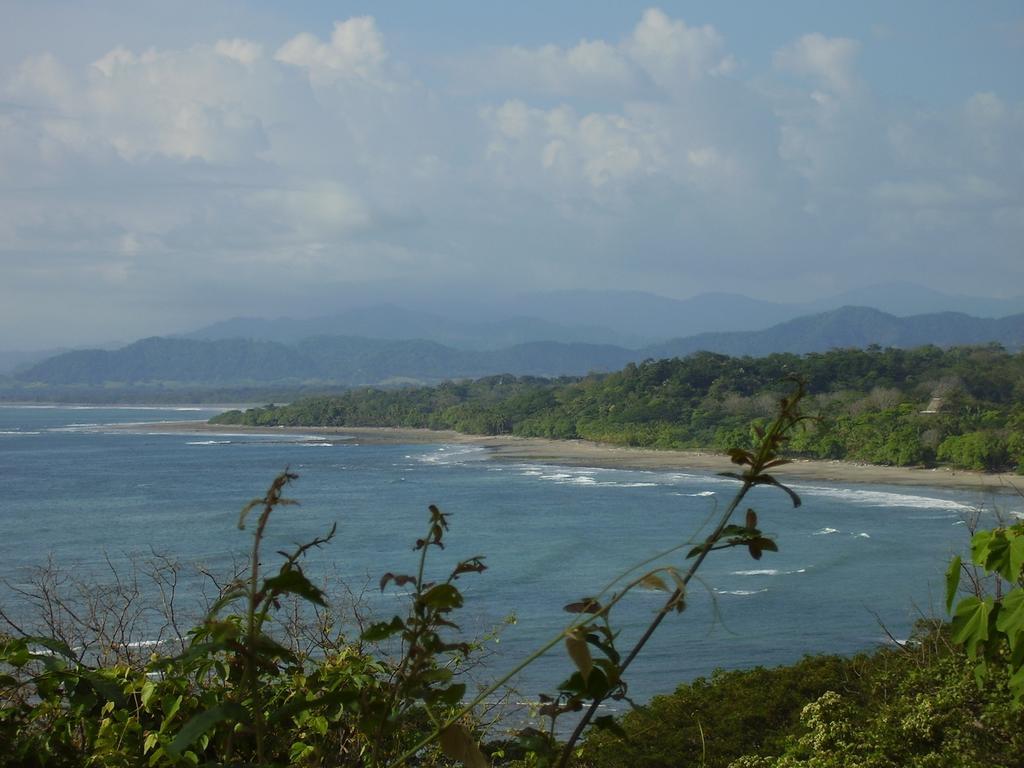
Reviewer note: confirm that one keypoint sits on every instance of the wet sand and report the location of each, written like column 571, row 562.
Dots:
column 587, row 454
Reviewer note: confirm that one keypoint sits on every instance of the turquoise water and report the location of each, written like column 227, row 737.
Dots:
column 849, row 557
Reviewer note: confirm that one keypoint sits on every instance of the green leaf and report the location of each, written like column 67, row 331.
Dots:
column 148, row 689
column 579, row 652
column 300, row 751
column 1017, row 557
column 1011, row 617
column 443, row 597
column 980, row 673
column 1016, row 684
column 970, row 623
column 759, row 545
column 292, row 581
column 170, row 704
column 203, row 722
column 979, row 547
column 383, row 630
column 697, row 550
column 450, row 696
column 997, row 556
column 952, row 582
column 16, row 653
column 233, row 593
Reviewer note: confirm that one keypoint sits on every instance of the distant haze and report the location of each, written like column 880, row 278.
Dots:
column 164, row 166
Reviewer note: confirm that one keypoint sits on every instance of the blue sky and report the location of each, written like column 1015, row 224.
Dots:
column 167, row 164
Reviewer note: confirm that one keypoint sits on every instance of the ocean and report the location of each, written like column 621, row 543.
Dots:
column 856, row 564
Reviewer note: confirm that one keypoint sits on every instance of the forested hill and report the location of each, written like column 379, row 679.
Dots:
column 963, row 406
column 356, row 361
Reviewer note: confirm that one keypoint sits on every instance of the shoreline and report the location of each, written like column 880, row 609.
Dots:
column 582, row 453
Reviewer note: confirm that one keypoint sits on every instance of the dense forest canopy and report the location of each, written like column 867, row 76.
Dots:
column 962, row 406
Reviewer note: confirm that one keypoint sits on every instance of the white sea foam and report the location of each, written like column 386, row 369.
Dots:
column 16, row 432
column 121, row 407
column 587, row 477
column 825, row 532
column 861, row 535
column 583, row 480
column 767, row 572
column 145, row 643
column 208, row 442
column 740, row 592
column 453, row 454
column 869, row 498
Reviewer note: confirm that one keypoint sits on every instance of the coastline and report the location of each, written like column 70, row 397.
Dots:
column 582, row 453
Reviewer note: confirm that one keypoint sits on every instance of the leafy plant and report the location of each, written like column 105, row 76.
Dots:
column 991, row 627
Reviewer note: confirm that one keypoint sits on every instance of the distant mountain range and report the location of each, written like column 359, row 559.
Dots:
column 853, row 327
column 352, row 361
column 387, row 321
column 625, row 318
column 630, row 319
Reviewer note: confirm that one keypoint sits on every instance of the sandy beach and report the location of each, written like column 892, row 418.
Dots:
column 583, row 453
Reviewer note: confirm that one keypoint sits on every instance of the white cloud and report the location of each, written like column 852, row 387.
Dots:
column 827, row 61
column 355, row 50
column 114, row 59
column 242, row 51
column 670, row 51
column 43, row 81
column 659, row 50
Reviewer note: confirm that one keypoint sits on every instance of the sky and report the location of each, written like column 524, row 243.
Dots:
column 165, row 165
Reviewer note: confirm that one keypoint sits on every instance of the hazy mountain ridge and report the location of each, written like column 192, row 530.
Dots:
column 354, row 361
column 387, row 321
column 854, row 327
column 630, row 319
column 341, row 360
